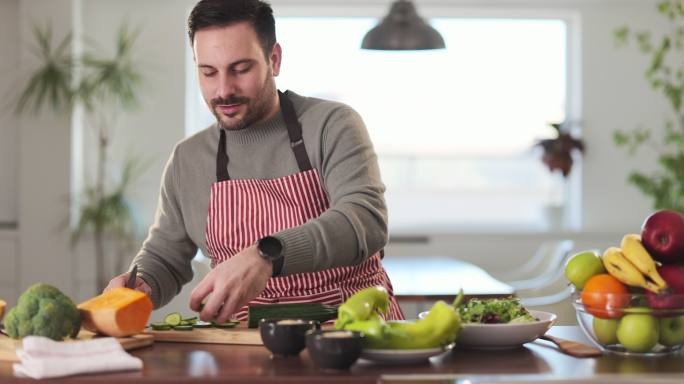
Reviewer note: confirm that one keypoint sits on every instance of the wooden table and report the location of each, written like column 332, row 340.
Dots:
column 439, row 278
column 206, row 363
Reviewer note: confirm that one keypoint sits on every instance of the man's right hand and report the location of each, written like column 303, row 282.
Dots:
column 120, row 281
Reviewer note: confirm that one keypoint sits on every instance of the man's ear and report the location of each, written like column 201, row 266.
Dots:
column 276, row 58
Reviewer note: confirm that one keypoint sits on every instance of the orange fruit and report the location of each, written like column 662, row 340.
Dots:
column 604, row 296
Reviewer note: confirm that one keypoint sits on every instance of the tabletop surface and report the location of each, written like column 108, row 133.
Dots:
column 539, row 360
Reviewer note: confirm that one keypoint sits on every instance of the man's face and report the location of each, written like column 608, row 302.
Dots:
column 235, row 78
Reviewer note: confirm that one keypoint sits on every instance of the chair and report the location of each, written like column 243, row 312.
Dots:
column 540, row 270
column 556, row 298
column 554, row 295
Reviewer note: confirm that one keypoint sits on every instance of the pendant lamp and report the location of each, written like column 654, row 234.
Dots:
column 402, row 29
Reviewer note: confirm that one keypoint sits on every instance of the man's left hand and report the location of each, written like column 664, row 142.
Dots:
column 232, row 284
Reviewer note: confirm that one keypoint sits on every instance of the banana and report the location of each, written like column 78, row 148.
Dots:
column 635, row 252
column 622, row 269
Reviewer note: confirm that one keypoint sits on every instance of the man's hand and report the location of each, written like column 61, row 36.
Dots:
column 232, row 284
column 121, row 280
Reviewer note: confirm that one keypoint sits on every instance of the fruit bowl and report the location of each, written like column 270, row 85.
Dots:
column 632, row 323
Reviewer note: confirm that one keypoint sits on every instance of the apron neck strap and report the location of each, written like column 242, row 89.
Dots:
column 294, row 131
column 222, row 158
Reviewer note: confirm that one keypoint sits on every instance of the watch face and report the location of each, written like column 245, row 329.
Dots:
column 270, row 248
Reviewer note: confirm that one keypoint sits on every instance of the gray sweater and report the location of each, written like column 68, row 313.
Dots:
column 351, row 230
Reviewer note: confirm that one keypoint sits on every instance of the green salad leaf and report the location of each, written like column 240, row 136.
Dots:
column 494, row 311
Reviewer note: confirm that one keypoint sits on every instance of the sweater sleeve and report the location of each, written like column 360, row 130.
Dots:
column 164, row 261
column 355, row 226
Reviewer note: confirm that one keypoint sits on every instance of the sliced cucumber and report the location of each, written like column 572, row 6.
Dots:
column 160, row 327
column 173, row 319
column 227, row 324
column 202, row 324
column 183, row 328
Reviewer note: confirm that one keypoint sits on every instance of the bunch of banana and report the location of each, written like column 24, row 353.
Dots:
column 633, row 265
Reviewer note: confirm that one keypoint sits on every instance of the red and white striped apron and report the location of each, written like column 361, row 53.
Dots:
column 243, row 211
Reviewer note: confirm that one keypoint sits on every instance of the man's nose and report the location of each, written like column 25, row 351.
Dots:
column 226, row 86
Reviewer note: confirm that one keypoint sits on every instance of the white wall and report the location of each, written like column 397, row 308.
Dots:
column 9, row 64
column 614, row 95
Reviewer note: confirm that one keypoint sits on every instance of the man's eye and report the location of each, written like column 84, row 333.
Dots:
column 243, row 69
column 208, row 73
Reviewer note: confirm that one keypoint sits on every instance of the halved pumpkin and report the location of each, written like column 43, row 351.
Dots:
column 119, row 312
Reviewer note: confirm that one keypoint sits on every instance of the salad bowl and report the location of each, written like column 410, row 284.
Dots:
column 499, row 324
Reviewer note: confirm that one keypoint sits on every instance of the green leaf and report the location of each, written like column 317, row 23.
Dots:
column 621, row 36
column 51, row 82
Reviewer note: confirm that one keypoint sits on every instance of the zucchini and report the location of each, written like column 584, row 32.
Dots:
column 303, row 311
column 173, row 319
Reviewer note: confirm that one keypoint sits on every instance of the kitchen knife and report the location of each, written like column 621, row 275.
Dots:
column 131, row 278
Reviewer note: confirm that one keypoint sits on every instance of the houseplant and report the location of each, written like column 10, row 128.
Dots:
column 103, row 86
column 559, row 150
column 665, row 74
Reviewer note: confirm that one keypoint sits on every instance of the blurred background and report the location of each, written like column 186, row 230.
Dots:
column 455, row 129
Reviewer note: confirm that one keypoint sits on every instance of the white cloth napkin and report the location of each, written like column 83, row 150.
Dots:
column 42, row 358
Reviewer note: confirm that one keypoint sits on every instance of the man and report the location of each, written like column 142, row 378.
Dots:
column 291, row 184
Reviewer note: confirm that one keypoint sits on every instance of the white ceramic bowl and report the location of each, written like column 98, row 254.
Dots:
column 503, row 336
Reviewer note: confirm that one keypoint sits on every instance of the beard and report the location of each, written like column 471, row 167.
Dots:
column 256, row 109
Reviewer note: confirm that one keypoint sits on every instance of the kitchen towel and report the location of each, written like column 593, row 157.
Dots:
column 42, row 358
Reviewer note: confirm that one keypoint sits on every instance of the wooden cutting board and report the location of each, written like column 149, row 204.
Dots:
column 239, row 335
column 9, row 346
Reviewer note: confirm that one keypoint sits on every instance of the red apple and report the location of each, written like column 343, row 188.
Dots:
column 663, row 236
column 673, row 296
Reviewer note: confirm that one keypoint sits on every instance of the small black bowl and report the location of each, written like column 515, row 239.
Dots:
column 334, row 349
column 285, row 337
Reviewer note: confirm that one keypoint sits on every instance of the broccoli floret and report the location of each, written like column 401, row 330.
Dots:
column 43, row 310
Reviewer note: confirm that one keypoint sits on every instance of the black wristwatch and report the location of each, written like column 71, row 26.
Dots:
column 271, row 249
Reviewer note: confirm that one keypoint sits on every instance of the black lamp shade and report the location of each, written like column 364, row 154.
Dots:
column 401, row 30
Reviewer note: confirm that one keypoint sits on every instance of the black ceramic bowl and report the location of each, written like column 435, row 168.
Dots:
column 334, row 349
column 285, row 337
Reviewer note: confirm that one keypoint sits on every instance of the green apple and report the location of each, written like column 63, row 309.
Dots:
column 638, row 332
column 637, row 310
column 672, row 331
column 582, row 266
column 605, row 330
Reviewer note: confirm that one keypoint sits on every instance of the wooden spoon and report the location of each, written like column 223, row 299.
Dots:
column 573, row 348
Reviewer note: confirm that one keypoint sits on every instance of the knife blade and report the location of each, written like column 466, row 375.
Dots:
column 132, row 277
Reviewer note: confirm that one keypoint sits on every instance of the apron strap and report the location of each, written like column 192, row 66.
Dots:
column 222, row 159
column 294, row 130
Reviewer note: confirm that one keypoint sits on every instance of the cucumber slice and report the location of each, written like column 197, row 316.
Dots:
column 183, row 328
column 160, row 327
column 202, row 324
column 227, row 324
column 191, row 319
column 173, row 319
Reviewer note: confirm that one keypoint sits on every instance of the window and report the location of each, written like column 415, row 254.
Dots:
column 453, row 128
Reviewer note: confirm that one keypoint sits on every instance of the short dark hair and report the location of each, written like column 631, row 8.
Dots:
column 221, row 13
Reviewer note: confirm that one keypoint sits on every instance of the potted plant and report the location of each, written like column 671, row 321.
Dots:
column 557, row 154
column 558, row 151
column 104, row 86
column 665, row 74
